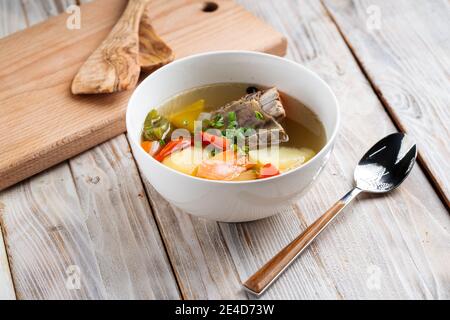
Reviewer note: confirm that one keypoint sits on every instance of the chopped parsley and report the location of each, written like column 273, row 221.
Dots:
column 232, row 124
column 259, row 115
column 232, row 121
column 217, row 121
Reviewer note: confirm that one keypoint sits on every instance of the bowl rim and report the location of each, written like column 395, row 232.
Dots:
column 303, row 167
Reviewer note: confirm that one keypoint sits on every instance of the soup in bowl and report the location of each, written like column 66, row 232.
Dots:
column 232, row 135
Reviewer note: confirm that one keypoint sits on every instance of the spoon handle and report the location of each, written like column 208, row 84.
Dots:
column 268, row 273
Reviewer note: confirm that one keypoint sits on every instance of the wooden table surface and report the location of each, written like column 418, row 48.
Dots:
column 91, row 227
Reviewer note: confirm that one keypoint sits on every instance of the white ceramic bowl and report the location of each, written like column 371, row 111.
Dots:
column 222, row 200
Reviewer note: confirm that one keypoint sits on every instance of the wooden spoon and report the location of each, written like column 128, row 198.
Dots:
column 114, row 66
column 153, row 51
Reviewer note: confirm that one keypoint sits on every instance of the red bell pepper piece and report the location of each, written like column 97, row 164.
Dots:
column 268, row 170
column 219, row 142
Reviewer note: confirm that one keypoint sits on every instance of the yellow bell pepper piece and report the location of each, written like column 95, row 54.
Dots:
column 186, row 117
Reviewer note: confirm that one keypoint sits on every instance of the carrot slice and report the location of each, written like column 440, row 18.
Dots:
column 171, row 147
column 268, row 170
column 219, row 142
column 146, row 145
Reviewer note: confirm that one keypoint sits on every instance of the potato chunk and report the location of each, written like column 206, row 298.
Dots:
column 284, row 158
column 247, row 175
column 186, row 160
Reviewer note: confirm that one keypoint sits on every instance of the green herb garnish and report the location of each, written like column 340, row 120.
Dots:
column 235, row 135
column 232, row 124
column 232, row 120
column 217, row 121
column 162, row 143
column 259, row 115
column 240, row 133
column 243, row 150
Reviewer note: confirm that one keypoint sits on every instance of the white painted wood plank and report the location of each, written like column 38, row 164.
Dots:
column 12, row 17
column 131, row 257
column 47, row 239
column 198, row 253
column 38, row 11
column 6, row 283
column 404, row 47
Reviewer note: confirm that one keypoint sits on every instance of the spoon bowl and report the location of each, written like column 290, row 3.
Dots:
column 386, row 165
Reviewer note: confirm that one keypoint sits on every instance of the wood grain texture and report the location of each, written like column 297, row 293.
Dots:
column 407, row 61
column 47, row 239
column 36, row 10
column 34, row 279
column 64, row 124
column 114, row 65
column 12, row 19
column 153, row 51
column 113, row 245
column 198, row 253
column 6, row 284
column 261, row 279
column 100, row 228
column 132, row 260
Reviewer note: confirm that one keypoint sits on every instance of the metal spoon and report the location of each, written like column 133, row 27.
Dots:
column 381, row 169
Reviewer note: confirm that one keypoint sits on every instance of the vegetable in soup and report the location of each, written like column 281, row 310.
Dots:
column 232, row 132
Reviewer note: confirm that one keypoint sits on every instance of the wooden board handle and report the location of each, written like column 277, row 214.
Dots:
column 268, row 273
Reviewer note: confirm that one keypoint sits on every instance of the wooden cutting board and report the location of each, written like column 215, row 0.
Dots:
column 42, row 123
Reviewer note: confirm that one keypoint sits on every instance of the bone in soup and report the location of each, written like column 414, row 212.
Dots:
column 232, row 132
